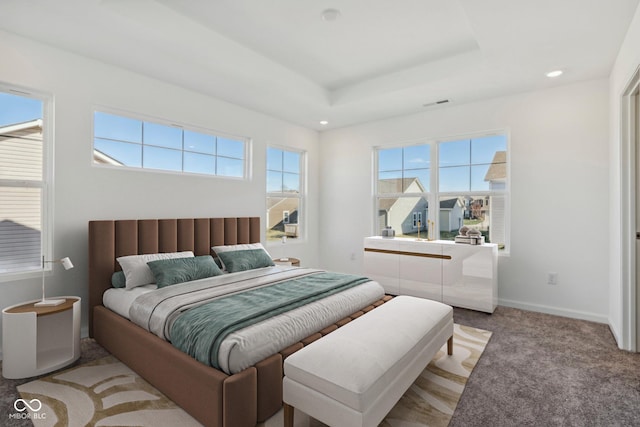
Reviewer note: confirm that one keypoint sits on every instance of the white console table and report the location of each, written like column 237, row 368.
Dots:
column 37, row 340
column 456, row 274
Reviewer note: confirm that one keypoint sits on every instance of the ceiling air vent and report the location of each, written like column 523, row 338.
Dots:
column 431, row 104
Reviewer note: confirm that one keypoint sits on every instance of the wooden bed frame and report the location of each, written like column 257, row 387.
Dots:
column 209, row 395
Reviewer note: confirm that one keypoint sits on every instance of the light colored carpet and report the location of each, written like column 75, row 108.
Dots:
column 107, row 393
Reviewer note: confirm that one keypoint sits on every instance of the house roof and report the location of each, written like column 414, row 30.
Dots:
column 449, row 203
column 398, row 185
column 19, row 128
column 498, row 169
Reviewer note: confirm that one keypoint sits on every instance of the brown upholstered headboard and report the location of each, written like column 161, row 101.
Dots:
column 111, row 239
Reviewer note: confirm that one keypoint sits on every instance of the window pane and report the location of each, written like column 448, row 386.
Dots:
column 454, row 153
column 22, row 161
column 479, row 181
column 230, row 148
column 21, row 151
column 274, row 182
column 165, row 147
column 276, row 209
column 390, row 159
column 454, row 178
column 402, row 214
column 162, row 158
column 417, row 181
column 19, row 109
column 117, row 127
column 230, row 167
column 20, row 229
column 417, row 157
column 291, row 182
column 390, row 182
column 483, row 150
column 274, row 159
column 291, row 162
column 199, row 163
column 162, row 136
column 199, row 142
column 117, row 153
column 457, row 211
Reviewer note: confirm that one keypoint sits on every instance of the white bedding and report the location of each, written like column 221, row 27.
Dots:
column 120, row 299
column 252, row 344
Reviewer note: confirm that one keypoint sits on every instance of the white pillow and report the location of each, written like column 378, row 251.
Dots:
column 241, row 247
column 137, row 272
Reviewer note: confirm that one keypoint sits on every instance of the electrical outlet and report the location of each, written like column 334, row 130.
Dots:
column 552, row 279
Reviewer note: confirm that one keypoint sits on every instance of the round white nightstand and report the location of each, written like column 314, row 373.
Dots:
column 37, row 340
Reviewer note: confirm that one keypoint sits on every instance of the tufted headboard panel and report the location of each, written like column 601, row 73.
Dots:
column 110, row 239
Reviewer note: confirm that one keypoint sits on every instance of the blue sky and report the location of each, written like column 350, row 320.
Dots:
column 463, row 164
column 18, row 109
column 166, row 147
column 283, row 170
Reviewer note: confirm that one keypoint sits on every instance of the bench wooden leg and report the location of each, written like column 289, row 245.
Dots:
column 450, row 346
column 288, row 415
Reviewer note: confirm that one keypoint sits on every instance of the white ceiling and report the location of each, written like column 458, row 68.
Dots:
column 380, row 58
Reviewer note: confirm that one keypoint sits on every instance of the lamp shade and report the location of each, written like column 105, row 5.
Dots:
column 66, row 263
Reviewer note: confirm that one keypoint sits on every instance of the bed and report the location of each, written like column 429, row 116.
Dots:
column 211, row 396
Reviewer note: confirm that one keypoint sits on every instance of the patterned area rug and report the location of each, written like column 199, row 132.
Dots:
column 107, row 393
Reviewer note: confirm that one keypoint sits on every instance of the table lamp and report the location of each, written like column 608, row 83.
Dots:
column 66, row 263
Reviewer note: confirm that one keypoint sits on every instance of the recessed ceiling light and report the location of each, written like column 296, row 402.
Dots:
column 554, row 73
column 324, row 122
column 330, row 14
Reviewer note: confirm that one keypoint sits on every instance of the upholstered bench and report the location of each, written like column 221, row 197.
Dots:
column 356, row 374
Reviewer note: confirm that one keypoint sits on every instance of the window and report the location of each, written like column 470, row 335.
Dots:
column 285, row 195
column 464, row 179
column 417, row 219
column 128, row 142
column 24, row 177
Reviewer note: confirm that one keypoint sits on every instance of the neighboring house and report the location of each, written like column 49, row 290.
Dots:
column 26, row 249
column 102, row 159
column 20, row 156
column 497, row 178
column 282, row 215
column 403, row 213
column 451, row 214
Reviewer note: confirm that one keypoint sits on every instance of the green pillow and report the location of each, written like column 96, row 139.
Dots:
column 249, row 259
column 118, row 280
column 178, row 270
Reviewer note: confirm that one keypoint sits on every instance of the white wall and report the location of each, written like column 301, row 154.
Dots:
column 559, row 167
column 84, row 192
column 626, row 64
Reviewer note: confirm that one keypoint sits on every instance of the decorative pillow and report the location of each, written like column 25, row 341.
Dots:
column 136, row 270
column 247, row 259
column 118, row 280
column 168, row 272
column 234, row 248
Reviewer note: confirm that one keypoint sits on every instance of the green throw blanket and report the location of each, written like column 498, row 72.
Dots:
column 200, row 330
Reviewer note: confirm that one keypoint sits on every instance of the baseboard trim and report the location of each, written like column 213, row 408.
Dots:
column 557, row 311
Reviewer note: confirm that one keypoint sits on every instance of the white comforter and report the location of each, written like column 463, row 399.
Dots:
column 155, row 311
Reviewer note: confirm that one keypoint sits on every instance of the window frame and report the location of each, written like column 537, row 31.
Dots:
column 432, row 193
column 301, row 195
column 46, row 185
column 246, row 161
